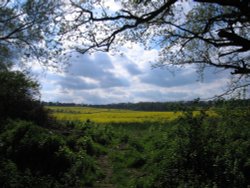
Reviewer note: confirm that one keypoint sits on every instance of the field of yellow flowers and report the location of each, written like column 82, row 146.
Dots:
column 100, row 115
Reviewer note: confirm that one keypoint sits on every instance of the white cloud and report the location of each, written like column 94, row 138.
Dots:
column 102, row 78
column 112, row 5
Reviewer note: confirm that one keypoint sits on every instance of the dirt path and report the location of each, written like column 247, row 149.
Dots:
column 106, row 167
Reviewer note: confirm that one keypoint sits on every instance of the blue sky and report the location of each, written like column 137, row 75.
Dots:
column 127, row 76
column 102, row 78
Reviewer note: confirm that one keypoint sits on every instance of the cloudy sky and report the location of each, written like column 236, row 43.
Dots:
column 102, row 78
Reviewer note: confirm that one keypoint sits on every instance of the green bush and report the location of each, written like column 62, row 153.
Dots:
column 19, row 98
column 201, row 151
column 33, row 154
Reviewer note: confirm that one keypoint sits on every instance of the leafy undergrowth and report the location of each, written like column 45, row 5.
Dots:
column 32, row 156
column 191, row 151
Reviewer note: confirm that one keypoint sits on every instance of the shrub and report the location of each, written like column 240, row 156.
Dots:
column 33, row 154
column 19, row 98
column 203, row 152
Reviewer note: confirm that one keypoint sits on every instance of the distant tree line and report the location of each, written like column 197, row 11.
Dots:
column 163, row 106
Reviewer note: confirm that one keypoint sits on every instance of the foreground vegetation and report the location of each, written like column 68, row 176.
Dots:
column 189, row 151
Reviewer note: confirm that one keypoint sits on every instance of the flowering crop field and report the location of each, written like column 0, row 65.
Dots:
column 100, row 115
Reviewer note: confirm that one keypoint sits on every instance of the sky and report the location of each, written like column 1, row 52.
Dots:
column 104, row 78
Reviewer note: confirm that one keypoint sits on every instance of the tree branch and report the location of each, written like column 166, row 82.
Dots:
column 242, row 5
column 235, row 39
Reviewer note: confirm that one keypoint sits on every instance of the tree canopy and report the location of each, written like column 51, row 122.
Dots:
column 29, row 29
column 206, row 33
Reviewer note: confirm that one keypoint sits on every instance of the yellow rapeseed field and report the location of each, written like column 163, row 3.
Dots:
column 101, row 115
